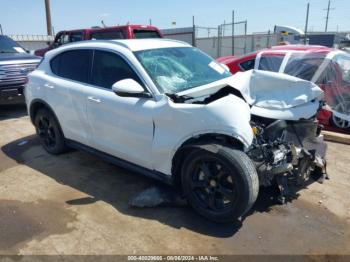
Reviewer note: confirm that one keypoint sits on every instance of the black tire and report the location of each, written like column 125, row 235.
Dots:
column 209, row 179
column 49, row 132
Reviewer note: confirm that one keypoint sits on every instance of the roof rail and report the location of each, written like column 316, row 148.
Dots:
column 98, row 41
column 172, row 40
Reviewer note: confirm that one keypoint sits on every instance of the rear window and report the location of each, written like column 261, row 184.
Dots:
column 74, row 65
column 107, row 35
column 141, row 33
column 76, row 36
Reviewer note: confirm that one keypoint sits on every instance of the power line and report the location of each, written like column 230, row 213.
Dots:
column 327, row 17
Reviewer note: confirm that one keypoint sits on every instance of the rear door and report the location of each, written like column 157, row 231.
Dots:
column 66, row 89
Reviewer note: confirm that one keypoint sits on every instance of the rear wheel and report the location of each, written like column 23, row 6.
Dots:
column 221, row 186
column 49, row 132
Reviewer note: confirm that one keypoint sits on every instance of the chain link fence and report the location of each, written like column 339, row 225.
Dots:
column 226, row 39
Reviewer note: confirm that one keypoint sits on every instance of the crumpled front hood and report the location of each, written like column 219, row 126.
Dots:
column 272, row 90
column 270, row 95
column 264, row 89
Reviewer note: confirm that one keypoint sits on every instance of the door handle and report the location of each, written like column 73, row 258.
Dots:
column 49, row 86
column 94, row 99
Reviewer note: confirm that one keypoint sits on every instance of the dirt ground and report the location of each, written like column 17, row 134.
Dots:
column 78, row 204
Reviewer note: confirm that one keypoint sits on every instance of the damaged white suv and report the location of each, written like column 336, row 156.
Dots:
column 167, row 110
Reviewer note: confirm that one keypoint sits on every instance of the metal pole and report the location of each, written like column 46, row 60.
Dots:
column 1, row 30
column 193, row 32
column 48, row 17
column 233, row 32
column 219, row 43
column 306, row 22
column 245, row 36
column 329, row 6
column 150, row 22
column 224, row 28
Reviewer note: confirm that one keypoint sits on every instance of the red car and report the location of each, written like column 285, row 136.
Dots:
column 328, row 68
column 106, row 33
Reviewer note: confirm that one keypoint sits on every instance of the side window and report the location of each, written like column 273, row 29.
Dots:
column 247, row 65
column 55, row 65
column 270, row 63
column 109, row 68
column 76, row 36
column 106, row 35
column 74, row 65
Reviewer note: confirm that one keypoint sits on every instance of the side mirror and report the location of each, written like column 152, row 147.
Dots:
column 129, row 88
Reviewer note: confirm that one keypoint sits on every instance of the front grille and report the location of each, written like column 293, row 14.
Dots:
column 15, row 74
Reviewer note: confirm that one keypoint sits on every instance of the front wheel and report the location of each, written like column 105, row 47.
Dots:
column 221, row 186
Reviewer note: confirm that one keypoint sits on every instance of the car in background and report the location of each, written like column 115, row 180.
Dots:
column 327, row 67
column 106, row 33
column 15, row 64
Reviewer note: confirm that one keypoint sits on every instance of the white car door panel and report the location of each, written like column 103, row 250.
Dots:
column 121, row 126
column 66, row 93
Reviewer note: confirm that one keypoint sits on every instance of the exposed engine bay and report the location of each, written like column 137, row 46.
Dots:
column 287, row 152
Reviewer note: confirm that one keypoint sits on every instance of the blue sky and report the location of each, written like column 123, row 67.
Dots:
column 28, row 16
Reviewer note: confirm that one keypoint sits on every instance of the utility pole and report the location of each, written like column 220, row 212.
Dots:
column 193, row 32
column 327, row 17
column 1, row 33
column 233, row 32
column 306, row 23
column 150, row 21
column 48, row 17
column 224, row 26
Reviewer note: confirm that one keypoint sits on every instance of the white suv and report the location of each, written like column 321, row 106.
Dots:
column 127, row 101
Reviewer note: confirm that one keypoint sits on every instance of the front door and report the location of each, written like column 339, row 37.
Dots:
column 121, row 126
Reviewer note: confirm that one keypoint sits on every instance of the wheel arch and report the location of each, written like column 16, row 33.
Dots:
column 206, row 141
column 38, row 104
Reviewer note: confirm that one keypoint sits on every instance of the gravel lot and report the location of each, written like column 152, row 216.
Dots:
column 77, row 204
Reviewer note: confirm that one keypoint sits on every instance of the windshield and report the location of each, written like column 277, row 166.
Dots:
column 304, row 65
column 178, row 69
column 343, row 61
column 7, row 45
